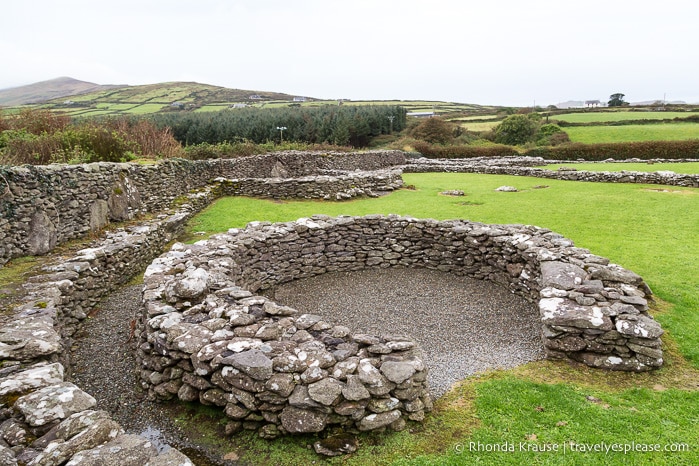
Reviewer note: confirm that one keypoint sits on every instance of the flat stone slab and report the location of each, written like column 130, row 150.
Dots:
column 53, row 403
column 41, row 375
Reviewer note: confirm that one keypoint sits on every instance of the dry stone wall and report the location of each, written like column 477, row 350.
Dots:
column 329, row 187
column 44, row 206
column 45, row 420
column 524, row 166
column 206, row 336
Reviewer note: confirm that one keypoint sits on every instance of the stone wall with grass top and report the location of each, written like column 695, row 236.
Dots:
column 206, row 335
column 45, row 206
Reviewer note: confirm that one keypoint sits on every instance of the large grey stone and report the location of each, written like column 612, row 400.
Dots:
column 53, row 403
column 641, row 326
column 325, row 391
column 354, row 390
column 252, row 362
column 561, row 275
column 614, row 273
column 42, row 234
column 80, row 431
column 171, row 457
column 29, row 338
column 194, row 339
column 397, row 372
column 192, row 284
column 378, row 420
column 281, row 384
column 35, row 377
column 125, row 450
column 99, row 215
column 7, row 458
column 297, row 421
column 610, row 362
column 567, row 313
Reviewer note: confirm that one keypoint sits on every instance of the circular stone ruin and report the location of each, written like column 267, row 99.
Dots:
column 205, row 334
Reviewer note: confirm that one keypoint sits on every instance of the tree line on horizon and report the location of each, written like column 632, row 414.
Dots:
column 343, row 126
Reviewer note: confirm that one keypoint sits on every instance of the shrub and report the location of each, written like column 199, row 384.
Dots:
column 551, row 135
column 516, row 129
column 48, row 139
column 458, row 152
column 36, row 121
column 434, row 131
column 620, row 151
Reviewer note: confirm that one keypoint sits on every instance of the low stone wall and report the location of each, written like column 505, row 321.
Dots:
column 522, row 166
column 44, row 206
column 268, row 366
column 45, row 420
column 329, row 187
column 205, row 335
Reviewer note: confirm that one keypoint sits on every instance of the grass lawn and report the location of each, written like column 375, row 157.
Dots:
column 651, row 232
column 633, row 133
column 690, row 168
column 602, row 117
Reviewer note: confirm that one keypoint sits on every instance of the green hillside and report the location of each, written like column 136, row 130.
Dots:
column 193, row 97
column 161, row 97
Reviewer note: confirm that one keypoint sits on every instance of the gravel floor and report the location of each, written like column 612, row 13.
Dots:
column 463, row 325
column 104, row 365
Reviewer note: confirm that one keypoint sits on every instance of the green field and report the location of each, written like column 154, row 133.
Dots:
column 633, row 133
column 604, row 117
column 479, row 126
column 690, row 168
column 649, row 229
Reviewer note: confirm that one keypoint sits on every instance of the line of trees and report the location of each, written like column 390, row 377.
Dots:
column 346, row 126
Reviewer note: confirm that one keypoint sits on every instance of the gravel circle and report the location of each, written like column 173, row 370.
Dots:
column 463, row 325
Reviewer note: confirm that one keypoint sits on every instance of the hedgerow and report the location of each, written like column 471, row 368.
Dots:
column 645, row 150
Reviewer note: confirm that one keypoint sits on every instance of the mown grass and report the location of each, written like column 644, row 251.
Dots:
column 603, row 117
column 633, row 133
column 689, row 168
column 651, row 232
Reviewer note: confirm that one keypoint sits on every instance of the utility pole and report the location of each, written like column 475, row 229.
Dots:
column 281, row 134
column 391, row 118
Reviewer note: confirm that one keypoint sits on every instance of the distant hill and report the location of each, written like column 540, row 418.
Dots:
column 47, row 90
column 81, row 99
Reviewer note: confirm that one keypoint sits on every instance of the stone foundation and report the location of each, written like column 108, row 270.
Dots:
column 206, row 336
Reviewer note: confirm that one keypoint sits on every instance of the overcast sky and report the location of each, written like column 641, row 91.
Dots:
column 502, row 52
